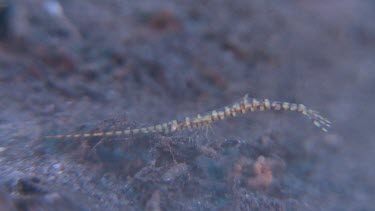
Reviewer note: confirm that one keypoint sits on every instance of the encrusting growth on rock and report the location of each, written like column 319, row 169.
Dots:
column 263, row 175
column 201, row 121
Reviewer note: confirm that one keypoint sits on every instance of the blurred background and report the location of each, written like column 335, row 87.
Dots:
column 76, row 66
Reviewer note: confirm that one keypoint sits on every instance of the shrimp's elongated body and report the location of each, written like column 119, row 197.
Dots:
column 246, row 104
